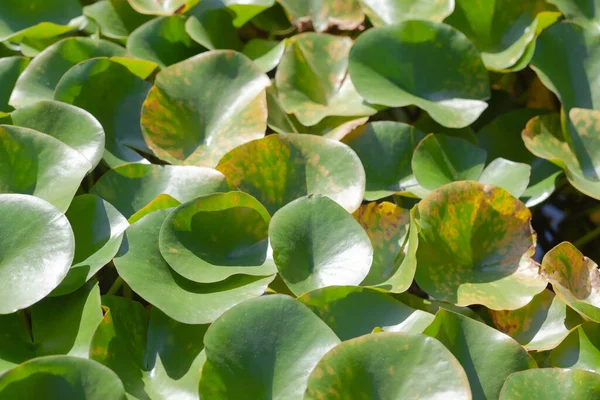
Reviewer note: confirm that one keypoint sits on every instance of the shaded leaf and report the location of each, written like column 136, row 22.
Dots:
column 584, row 12
column 509, row 175
column 10, row 69
column 265, row 53
column 579, row 350
column 116, row 18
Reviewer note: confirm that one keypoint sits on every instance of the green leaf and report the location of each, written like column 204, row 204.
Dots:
column 131, row 187
column 91, row 85
column 98, row 228
column 475, row 247
column 216, row 236
column 388, row 12
column 10, row 69
column 353, row 311
column 280, row 168
column 71, row 125
column 574, row 278
column 440, row 159
column 184, row 128
column 245, row 10
column 37, row 18
column 38, row 164
column 211, row 25
column 387, row 226
column 540, row 325
column 162, row 7
column 433, row 306
column 583, row 12
column 399, row 65
column 161, row 202
column 316, row 243
column 116, row 18
column 427, row 124
column 552, row 383
column 509, row 175
column 345, row 15
column 263, row 348
column 142, row 267
column 155, row 359
column 389, row 366
column 265, row 53
column 312, row 79
column 39, row 79
column 580, row 350
column 164, row 41
column 59, row 325
column 61, row 377
column 501, row 30
column 487, row 356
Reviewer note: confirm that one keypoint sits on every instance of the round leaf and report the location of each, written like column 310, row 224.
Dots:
column 281, row 168
column 389, row 366
column 182, row 127
column 552, row 383
column 142, row 267
column 131, row 187
column 385, row 149
column 353, row 311
column 388, row 12
column 41, row 76
column 487, row 356
column 475, row 247
column 400, row 65
column 316, row 243
column 580, row 350
column 216, row 236
column 263, row 348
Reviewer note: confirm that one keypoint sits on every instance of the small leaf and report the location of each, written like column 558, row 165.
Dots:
column 10, row 69
column 265, row 53
column 389, row 12
column 583, row 12
column 162, row 7
column 509, row 175
column 116, row 18
column 324, row 14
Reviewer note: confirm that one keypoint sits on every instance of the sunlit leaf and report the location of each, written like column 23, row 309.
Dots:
column 388, row 12
column 552, row 383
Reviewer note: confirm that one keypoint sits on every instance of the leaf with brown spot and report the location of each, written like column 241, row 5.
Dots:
column 324, row 14
column 551, row 383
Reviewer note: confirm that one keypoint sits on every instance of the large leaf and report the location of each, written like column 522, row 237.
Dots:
column 353, row 311
column 115, row 18
column 389, row 366
column 386, row 225
column 281, row 168
column 164, row 41
column 552, row 383
column 580, row 350
column 182, row 127
column 36, row 18
column 10, row 69
column 475, row 247
column 324, row 14
column 38, row 164
column 312, row 79
column 155, row 359
column 388, row 12
column 41, row 76
column 131, row 187
column 316, row 243
column 216, row 236
column 400, row 65
column 501, row 29
column 59, row 325
column 263, row 348
column 487, row 356
column 114, row 95
column 540, row 325
column 61, row 377
column 98, row 228
column 385, row 149
column 142, row 267
column 574, row 278
column 584, row 12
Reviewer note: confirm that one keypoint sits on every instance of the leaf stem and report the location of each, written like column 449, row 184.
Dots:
column 115, row 286
column 588, row 237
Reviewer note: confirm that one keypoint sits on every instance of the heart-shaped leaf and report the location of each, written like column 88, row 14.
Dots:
column 68, row 331
column 324, row 14
column 385, row 149
column 281, row 168
column 552, row 383
column 184, row 128
column 487, row 356
column 10, row 69
column 38, row 164
column 90, row 85
column 263, row 348
column 580, row 350
column 316, row 243
column 39, row 79
column 142, row 267
column 353, row 311
column 574, row 278
column 389, row 366
column 164, row 41
column 116, row 18
column 540, row 325
column 399, row 65
column 131, row 187
column 312, row 79
column 584, row 12
column 216, row 236
column 156, row 359
column 388, row 12
column 475, row 247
